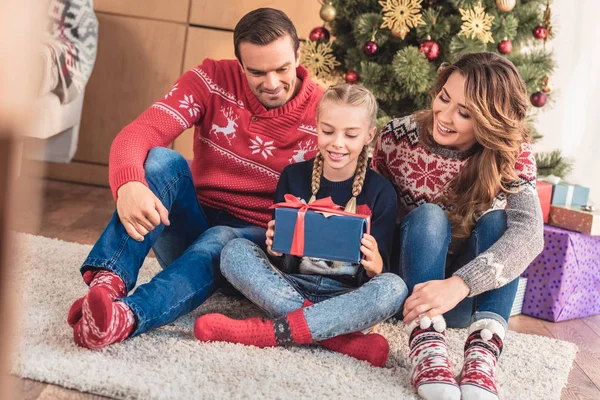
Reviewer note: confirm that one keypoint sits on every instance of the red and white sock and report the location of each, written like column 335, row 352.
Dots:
column 431, row 374
column 284, row 331
column 103, row 320
column 482, row 349
column 372, row 348
column 97, row 278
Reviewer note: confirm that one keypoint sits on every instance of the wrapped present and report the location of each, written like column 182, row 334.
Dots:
column 575, row 219
column 563, row 282
column 567, row 195
column 544, row 190
column 320, row 229
column 519, row 297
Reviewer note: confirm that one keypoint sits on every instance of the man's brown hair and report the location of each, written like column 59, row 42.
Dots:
column 263, row 26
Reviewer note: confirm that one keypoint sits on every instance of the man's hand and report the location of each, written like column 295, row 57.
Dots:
column 140, row 211
column 270, row 234
column 434, row 298
column 372, row 262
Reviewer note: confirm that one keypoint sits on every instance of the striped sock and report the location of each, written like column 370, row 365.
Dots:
column 482, row 349
column 431, row 374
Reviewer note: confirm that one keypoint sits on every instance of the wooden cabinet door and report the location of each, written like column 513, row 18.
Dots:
column 226, row 13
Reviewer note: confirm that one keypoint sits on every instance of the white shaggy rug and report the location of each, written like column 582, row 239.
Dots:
column 169, row 363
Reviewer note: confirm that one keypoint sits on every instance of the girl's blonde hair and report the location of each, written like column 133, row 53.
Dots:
column 496, row 97
column 356, row 96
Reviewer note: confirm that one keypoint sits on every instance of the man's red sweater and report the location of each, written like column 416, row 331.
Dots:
column 240, row 147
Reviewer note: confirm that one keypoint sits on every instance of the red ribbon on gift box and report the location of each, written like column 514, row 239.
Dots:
column 325, row 206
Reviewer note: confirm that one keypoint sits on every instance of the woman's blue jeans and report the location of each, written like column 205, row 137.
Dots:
column 188, row 250
column 425, row 235
column 338, row 308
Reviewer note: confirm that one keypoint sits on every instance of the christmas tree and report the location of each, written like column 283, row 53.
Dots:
column 395, row 47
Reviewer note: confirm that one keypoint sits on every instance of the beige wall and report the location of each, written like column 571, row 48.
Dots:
column 143, row 47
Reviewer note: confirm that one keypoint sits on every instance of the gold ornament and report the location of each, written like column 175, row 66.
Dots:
column 548, row 21
column 506, row 5
column 546, row 84
column 327, row 12
column 401, row 33
column 477, row 24
column 317, row 57
column 401, row 15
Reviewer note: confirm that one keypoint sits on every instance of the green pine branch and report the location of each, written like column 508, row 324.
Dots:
column 553, row 163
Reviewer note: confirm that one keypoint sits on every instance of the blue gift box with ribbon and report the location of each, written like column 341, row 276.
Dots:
column 320, row 229
column 567, row 195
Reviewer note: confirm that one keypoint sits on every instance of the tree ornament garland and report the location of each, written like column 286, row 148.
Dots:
column 506, row 5
column 401, row 15
column 477, row 24
column 538, row 99
column 505, row 46
column 319, row 34
column 318, row 58
column 352, row 77
column 328, row 12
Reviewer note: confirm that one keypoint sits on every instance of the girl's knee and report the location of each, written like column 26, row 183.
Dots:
column 234, row 254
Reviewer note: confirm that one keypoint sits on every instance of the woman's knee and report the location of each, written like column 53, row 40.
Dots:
column 426, row 221
column 489, row 228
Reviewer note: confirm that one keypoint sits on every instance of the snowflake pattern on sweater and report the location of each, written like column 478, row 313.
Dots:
column 240, row 147
column 421, row 174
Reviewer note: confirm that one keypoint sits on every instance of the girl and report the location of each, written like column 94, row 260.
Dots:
column 470, row 218
column 317, row 300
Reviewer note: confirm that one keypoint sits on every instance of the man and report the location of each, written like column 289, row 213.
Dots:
column 252, row 117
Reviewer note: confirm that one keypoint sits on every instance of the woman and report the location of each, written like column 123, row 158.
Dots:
column 470, row 219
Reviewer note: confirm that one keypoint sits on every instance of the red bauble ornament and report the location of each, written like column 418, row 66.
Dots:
column 505, row 46
column 352, row 77
column 538, row 99
column 370, row 48
column 539, row 32
column 431, row 49
column 319, row 34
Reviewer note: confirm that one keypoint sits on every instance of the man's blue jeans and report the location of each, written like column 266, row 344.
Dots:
column 338, row 308
column 188, row 250
column 425, row 235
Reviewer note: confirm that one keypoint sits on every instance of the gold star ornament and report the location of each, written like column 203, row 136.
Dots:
column 318, row 58
column 401, row 15
column 476, row 24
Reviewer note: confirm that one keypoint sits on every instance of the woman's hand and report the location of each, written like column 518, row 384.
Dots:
column 434, row 298
column 270, row 234
column 372, row 262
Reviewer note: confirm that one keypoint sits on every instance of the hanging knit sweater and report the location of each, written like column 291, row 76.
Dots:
column 420, row 175
column 240, row 147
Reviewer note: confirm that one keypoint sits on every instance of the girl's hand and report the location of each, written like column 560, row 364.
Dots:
column 434, row 298
column 270, row 234
column 372, row 262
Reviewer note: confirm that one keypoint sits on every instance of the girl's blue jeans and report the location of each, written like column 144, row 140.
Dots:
column 338, row 308
column 188, row 250
column 425, row 235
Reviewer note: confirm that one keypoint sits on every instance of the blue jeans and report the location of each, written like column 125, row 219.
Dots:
column 188, row 250
column 425, row 235
column 338, row 308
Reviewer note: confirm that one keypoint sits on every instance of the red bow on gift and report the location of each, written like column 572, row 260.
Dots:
column 325, row 206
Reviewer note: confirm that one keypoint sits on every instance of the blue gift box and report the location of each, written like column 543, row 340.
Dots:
column 335, row 237
column 569, row 195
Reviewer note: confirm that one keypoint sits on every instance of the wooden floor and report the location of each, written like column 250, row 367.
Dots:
column 78, row 213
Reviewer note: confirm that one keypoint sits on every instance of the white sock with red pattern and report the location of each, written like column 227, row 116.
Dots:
column 482, row 349
column 431, row 374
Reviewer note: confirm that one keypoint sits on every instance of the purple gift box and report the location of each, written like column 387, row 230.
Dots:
column 563, row 282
